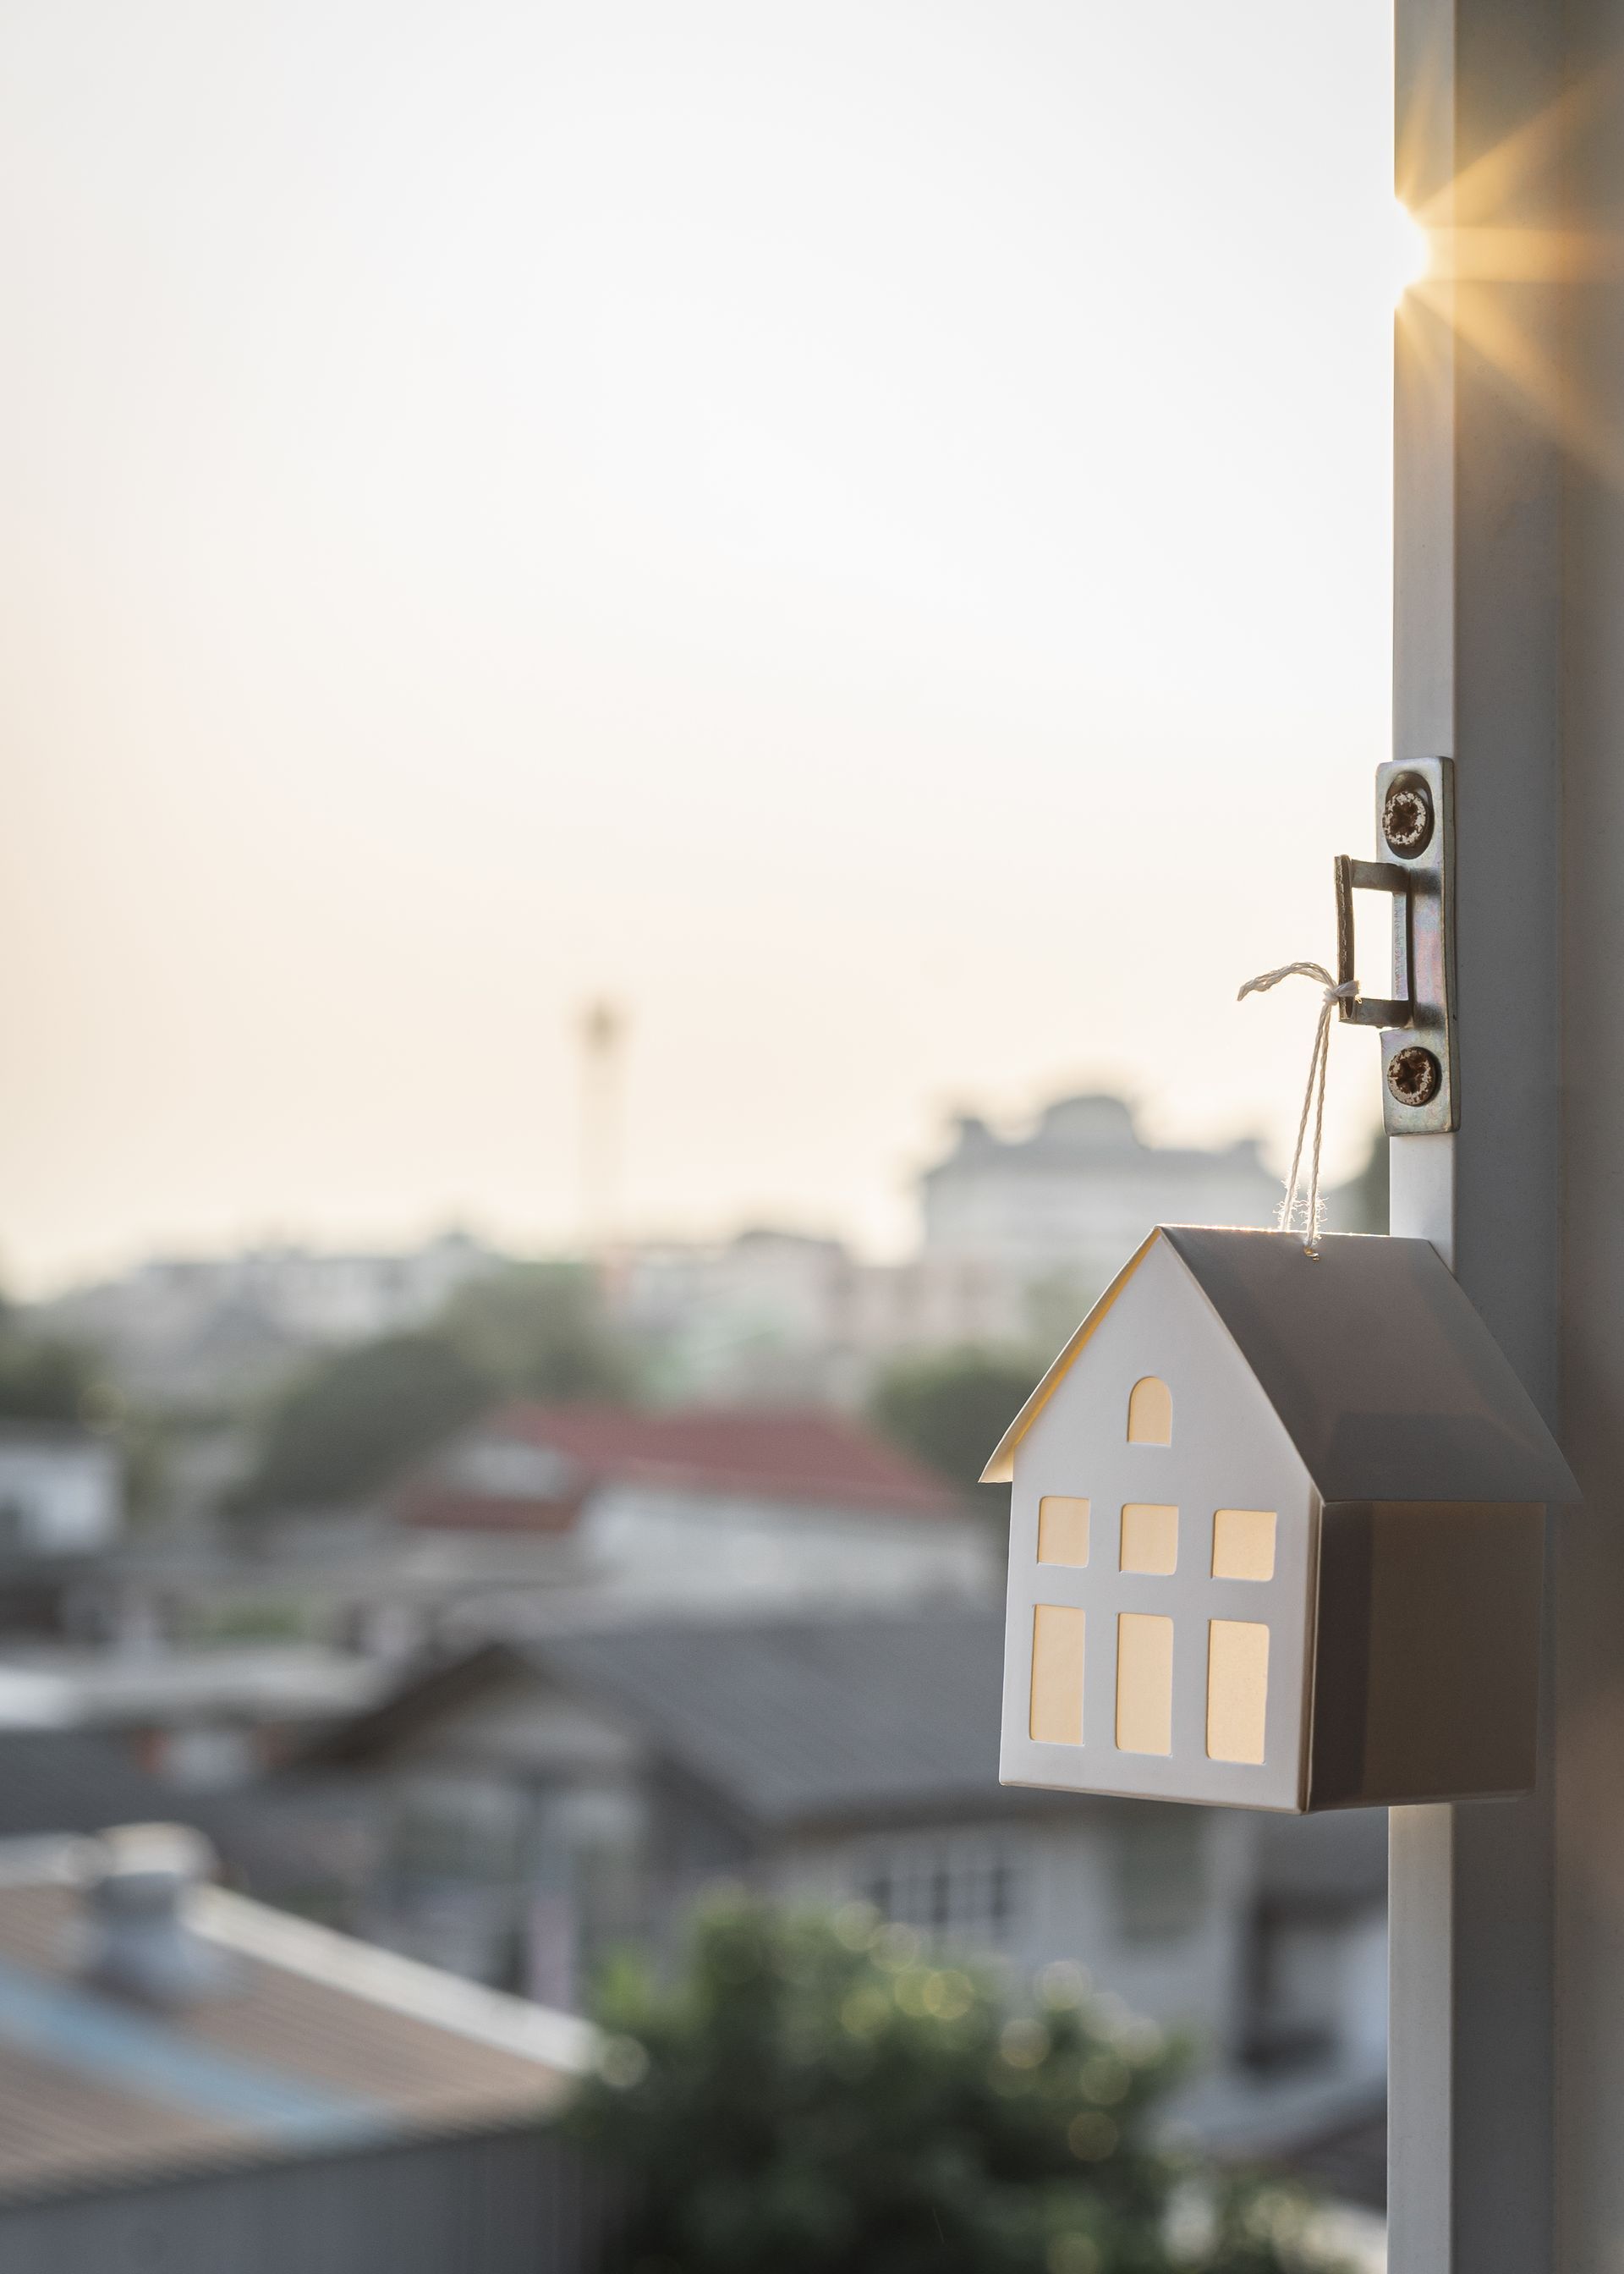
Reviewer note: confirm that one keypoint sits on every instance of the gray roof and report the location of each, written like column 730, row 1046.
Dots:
column 1374, row 1357
column 1372, row 1354
column 818, row 1720
column 309, row 2045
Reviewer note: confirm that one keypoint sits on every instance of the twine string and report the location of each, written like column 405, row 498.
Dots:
column 1314, row 1095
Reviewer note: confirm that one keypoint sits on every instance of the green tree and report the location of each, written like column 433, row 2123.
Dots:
column 44, row 1378
column 356, row 1419
column 950, row 1408
column 47, row 1378
column 346, row 1426
column 818, row 2097
column 540, row 1330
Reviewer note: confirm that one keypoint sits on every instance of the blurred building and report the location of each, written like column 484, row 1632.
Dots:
column 1074, row 1196
column 57, row 1782
column 705, row 1506
column 1019, row 1234
column 538, row 1517
column 529, row 1805
column 772, row 1315
column 62, row 1508
column 188, row 2080
column 61, row 1491
column 203, row 1718
column 185, row 1331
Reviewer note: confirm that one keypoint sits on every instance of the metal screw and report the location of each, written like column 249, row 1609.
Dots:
column 1407, row 816
column 1414, row 1076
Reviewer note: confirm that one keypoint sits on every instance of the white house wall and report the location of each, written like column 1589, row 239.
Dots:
column 1068, row 1905
column 1228, row 1451
column 61, row 1499
column 1075, row 1197
column 701, row 1549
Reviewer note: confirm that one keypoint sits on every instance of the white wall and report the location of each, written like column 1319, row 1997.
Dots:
column 1077, row 1196
column 1076, row 1896
column 702, row 1547
column 62, row 1497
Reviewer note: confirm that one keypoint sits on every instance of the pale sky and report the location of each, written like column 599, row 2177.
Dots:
column 857, row 528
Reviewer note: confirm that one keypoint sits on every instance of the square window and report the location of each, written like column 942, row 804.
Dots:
column 1062, row 1530
column 1243, row 1543
column 1149, row 1538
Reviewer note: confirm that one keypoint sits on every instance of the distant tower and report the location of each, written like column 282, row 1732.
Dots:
column 603, row 1035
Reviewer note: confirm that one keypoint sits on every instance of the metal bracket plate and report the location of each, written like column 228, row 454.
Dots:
column 1415, row 823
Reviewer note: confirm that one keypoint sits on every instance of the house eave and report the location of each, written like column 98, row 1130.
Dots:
column 1001, row 1469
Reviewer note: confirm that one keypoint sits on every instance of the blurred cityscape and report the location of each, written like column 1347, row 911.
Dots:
column 493, row 1612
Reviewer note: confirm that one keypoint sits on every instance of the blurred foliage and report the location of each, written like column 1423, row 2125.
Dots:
column 820, row 2096
column 278, row 1619
column 43, row 1379
column 1055, row 1306
column 354, row 1419
column 950, row 1408
column 348, row 1423
column 540, row 1330
column 46, row 1378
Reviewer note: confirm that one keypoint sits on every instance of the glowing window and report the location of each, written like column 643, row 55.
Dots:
column 1062, row 1530
column 1149, row 1538
column 1143, row 1683
column 1243, row 1543
column 1150, row 1413
column 1055, row 1716
column 1236, row 1689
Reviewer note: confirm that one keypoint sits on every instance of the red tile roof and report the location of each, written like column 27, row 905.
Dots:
column 807, row 1456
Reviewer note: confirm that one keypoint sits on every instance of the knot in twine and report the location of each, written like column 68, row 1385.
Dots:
column 1313, row 1096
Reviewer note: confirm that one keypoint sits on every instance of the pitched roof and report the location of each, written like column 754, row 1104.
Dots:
column 807, row 1721
column 1373, row 1355
column 314, row 2043
column 801, row 1455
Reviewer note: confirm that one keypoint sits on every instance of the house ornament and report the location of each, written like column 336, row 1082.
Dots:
column 1276, row 1535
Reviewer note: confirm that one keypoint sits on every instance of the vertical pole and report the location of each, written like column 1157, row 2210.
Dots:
column 603, row 1033
column 1588, row 1690
column 1477, row 655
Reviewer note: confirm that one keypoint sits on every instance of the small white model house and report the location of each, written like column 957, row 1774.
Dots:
column 1276, row 1535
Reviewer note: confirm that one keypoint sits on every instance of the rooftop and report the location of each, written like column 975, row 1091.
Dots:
column 310, row 2043
column 812, row 1721
column 1093, row 1131
column 57, row 1685
column 1374, row 1357
column 804, row 1457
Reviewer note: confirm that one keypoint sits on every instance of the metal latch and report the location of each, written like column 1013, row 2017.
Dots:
column 1414, row 818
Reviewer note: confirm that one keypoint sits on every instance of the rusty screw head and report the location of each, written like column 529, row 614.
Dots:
column 1407, row 816
column 1414, row 1076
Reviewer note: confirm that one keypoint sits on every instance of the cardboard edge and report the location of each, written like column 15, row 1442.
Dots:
column 1001, row 1469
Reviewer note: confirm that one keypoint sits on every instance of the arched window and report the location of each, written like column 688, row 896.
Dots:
column 1150, row 1413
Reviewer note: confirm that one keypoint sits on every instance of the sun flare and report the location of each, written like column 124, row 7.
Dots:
column 1410, row 252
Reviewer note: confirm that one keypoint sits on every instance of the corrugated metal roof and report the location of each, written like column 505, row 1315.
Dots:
column 812, row 1719
column 298, row 2052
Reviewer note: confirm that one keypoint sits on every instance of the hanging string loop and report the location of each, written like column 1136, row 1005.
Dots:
column 1313, row 1096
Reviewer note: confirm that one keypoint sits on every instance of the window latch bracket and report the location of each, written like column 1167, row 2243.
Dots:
column 1415, row 823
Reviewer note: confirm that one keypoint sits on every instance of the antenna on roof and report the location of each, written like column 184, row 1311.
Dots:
column 603, row 1028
